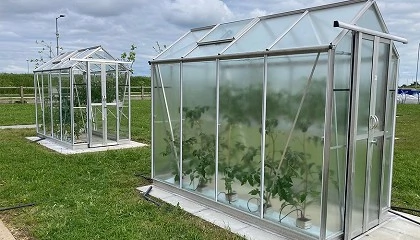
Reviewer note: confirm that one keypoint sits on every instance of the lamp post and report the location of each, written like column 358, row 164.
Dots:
column 417, row 73
column 27, row 63
column 56, row 29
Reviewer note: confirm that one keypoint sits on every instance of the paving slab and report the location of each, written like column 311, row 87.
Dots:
column 5, row 234
column 395, row 228
column 214, row 216
column 18, row 126
column 63, row 150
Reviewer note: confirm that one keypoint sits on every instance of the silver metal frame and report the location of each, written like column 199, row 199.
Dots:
column 263, row 119
column 181, row 70
column 327, row 143
column 352, row 134
column 369, row 32
column 217, row 127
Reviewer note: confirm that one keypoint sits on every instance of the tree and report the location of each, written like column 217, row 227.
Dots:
column 130, row 56
column 158, row 49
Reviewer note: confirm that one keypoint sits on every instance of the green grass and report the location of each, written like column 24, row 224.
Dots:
column 93, row 196
column 89, row 196
column 13, row 114
column 406, row 181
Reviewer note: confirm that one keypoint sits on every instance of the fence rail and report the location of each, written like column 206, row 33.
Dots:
column 26, row 94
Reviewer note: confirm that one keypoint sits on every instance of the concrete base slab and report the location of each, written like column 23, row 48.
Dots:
column 5, row 233
column 396, row 227
column 17, row 126
column 214, row 216
column 63, row 150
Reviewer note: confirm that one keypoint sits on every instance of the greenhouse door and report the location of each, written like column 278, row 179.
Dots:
column 370, row 77
column 103, row 116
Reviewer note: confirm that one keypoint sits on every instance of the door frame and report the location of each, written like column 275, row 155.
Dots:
column 353, row 136
column 358, row 38
column 104, row 105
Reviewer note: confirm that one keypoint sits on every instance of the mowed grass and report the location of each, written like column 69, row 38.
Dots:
column 89, row 196
column 13, row 114
column 406, row 176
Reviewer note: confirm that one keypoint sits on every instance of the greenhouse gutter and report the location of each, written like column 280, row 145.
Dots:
column 290, row 51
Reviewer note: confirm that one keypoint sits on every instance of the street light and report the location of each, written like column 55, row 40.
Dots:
column 56, row 29
column 27, row 63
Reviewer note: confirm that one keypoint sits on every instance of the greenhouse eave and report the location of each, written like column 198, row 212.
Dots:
column 280, row 52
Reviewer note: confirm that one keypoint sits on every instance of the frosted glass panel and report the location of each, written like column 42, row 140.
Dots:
column 292, row 168
column 371, row 20
column 365, row 86
column 166, row 121
column 199, row 127
column 359, row 182
column 375, row 180
column 263, row 34
column 322, row 20
column 226, row 30
column 239, row 134
column 302, row 35
column 382, row 75
column 185, row 45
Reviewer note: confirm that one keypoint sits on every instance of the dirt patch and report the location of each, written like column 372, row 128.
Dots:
column 18, row 233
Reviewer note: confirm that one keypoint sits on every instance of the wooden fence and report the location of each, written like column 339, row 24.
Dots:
column 26, row 94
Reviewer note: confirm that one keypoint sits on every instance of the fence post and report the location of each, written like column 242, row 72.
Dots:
column 21, row 94
column 142, row 92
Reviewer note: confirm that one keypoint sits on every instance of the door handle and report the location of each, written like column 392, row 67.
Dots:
column 374, row 141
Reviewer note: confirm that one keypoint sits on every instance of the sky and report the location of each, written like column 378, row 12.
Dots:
column 116, row 25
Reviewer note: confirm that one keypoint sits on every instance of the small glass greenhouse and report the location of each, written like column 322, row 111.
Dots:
column 286, row 121
column 83, row 99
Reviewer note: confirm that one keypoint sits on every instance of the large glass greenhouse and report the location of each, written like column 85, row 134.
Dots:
column 83, row 99
column 286, row 121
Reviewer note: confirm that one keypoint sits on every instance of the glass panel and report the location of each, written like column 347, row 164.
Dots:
column 371, row 20
column 47, row 103
column 111, row 105
column 97, row 123
column 264, row 33
column 111, row 121
column 364, row 87
column 123, row 93
column 184, row 45
column 65, row 106
column 301, row 35
column 79, row 102
column 359, row 181
column 199, row 127
column 375, row 180
column 55, row 96
column 207, row 50
column 382, row 79
column 322, row 20
column 339, row 129
column 389, row 135
column 226, row 30
column 239, row 169
column 293, row 167
column 38, row 103
column 166, row 122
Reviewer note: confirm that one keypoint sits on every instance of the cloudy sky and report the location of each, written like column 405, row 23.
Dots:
column 117, row 24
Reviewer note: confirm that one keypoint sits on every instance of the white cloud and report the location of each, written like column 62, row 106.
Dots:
column 196, row 13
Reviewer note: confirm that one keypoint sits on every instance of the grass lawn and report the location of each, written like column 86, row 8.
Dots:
column 89, row 196
column 93, row 196
column 406, row 178
column 13, row 114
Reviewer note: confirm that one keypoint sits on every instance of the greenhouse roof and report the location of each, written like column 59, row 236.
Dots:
column 70, row 59
column 305, row 28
